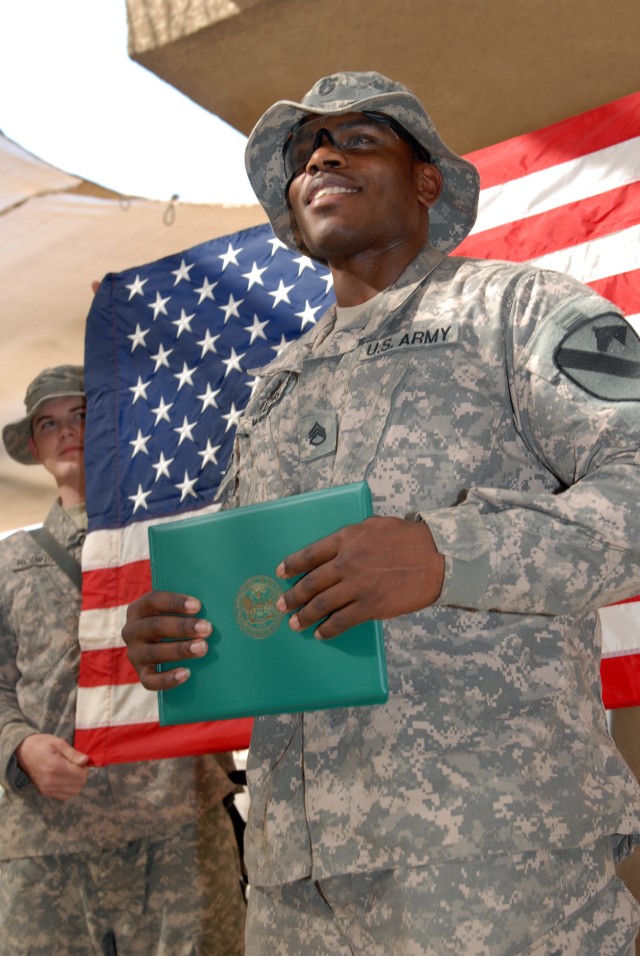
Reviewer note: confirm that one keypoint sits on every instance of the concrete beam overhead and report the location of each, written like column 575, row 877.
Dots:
column 486, row 69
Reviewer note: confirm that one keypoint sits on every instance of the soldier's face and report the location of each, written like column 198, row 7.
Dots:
column 348, row 200
column 57, row 440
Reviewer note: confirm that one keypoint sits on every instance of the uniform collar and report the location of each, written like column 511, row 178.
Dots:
column 63, row 527
column 393, row 298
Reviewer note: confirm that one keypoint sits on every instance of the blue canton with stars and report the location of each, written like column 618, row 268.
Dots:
column 167, row 350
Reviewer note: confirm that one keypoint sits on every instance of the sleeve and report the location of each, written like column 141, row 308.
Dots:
column 13, row 725
column 574, row 370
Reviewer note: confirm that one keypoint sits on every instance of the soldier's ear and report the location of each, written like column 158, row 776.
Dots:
column 32, row 448
column 429, row 183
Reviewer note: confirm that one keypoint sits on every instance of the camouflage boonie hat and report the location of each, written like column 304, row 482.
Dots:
column 450, row 218
column 60, row 382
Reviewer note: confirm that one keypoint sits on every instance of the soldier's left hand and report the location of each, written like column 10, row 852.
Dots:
column 377, row 569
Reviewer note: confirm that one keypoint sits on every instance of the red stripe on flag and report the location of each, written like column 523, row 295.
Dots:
column 107, row 745
column 623, row 289
column 113, row 587
column 566, row 140
column 620, row 678
column 106, row 667
column 558, row 228
column 631, row 600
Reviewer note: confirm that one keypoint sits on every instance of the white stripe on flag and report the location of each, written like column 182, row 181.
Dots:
column 113, row 548
column 559, row 185
column 116, row 706
column 597, row 259
column 102, row 628
column 621, row 627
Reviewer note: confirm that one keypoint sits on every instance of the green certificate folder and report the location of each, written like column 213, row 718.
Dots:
column 256, row 664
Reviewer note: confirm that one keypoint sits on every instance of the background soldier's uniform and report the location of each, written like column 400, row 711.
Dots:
column 490, row 399
column 146, row 850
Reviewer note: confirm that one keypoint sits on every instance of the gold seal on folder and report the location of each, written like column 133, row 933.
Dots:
column 255, row 606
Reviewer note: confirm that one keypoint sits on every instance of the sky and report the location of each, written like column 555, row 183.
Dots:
column 70, row 94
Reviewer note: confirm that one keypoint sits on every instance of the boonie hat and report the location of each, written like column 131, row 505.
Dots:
column 450, row 218
column 60, row 382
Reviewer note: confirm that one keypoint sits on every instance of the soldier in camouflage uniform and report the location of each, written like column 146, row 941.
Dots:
column 136, row 860
column 494, row 410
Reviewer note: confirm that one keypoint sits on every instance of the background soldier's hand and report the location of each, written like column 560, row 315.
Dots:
column 377, row 569
column 56, row 768
column 151, row 619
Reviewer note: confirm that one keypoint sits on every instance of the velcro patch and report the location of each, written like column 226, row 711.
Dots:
column 602, row 357
column 318, row 435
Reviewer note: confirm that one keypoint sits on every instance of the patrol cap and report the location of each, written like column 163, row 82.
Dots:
column 60, row 382
column 450, row 218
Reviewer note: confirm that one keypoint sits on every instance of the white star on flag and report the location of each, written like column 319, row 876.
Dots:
column 230, row 256
column 138, row 337
column 162, row 467
column 139, row 499
column 231, row 308
column 136, row 287
column 162, row 411
column 206, row 290
column 159, row 306
column 183, row 323
column 186, row 487
column 281, row 294
column 182, row 272
column 254, row 276
column 185, row 430
column 139, row 444
column 139, row 390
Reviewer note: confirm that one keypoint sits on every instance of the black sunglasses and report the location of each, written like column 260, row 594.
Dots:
column 293, row 166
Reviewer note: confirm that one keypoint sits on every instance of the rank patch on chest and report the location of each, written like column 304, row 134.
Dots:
column 420, row 335
column 317, row 435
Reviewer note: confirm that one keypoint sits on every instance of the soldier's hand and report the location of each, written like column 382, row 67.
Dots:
column 377, row 569
column 56, row 768
column 161, row 628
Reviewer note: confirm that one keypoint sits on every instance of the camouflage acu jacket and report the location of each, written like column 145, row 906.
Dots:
column 500, row 403
column 39, row 657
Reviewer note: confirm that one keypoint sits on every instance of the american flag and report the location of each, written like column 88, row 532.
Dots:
column 168, row 350
column 168, row 357
column 567, row 197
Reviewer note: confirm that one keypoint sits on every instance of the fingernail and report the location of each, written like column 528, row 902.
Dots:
column 281, row 605
column 280, row 570
column 294, row 623
column 198, row 648
column 181, row 674
column 191, row 606
column 202, row 627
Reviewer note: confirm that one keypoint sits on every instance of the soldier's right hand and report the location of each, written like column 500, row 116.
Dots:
column 161, row 628
column 56, row 768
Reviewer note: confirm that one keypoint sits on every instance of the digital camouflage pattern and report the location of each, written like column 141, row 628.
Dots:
column 450, row 218
column 451, row 403
column 547, row 904
column 139, row 838
column 167, row 897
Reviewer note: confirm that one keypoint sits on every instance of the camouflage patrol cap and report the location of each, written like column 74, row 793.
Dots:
column 450, row 218
column 60, row 382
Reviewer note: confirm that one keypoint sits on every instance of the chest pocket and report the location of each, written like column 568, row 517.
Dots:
column 44, row 612
column 342, row 406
